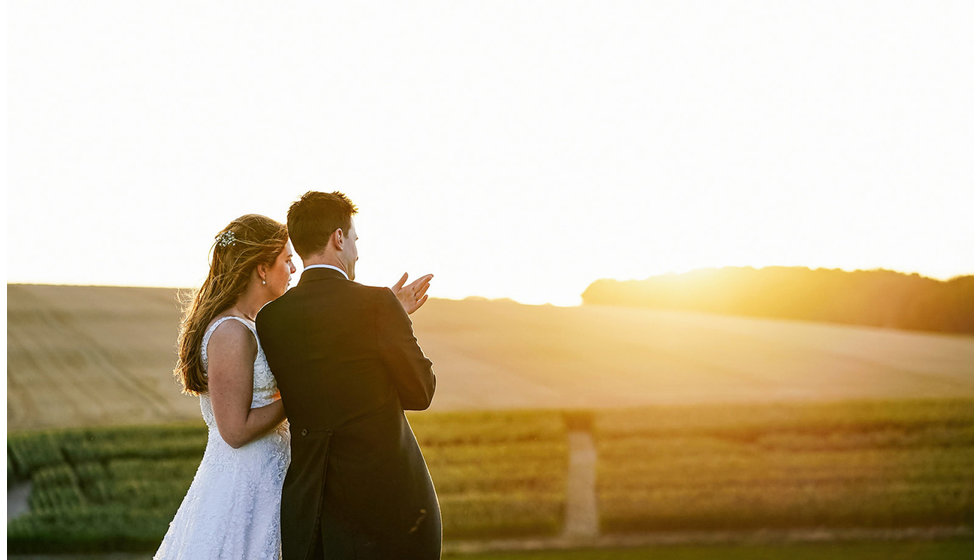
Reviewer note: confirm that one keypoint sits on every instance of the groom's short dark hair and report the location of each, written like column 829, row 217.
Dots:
column 314, row 217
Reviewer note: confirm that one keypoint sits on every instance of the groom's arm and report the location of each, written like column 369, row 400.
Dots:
column 408, row 368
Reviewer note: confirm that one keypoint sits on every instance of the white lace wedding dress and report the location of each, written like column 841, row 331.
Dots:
column 232, row 507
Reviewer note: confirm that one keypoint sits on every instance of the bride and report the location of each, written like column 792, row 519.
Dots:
column 231, row 509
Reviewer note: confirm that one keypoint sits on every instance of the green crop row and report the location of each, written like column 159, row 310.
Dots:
column 685, row 467
column 182, row 468
column 486, row 427
column 89, row 473
column 30, row 452
column 146, row 433
column 747, row 421
column 786, row 506
column 497, row 475
column 501, row 515
column 463, row 479
column 82, row 529
column 54, row 476
column 499, row 453
column 949, row 436
column 117, row 489
column 906, row 463
column 158, row 448
column 139, row 495
column 56, row 497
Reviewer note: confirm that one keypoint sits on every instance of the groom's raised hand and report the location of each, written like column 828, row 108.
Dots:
column 413, row 295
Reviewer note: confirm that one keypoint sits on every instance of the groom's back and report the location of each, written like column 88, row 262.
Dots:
column 347, row 364
column 321, row 345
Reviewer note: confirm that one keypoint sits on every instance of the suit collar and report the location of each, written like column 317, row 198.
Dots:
column 337, row 268
column 316, row 274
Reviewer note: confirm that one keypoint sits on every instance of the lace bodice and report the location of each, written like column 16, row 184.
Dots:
column 231, row 510
column 264, row 390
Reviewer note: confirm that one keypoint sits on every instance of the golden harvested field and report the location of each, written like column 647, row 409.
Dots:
column 80, row 356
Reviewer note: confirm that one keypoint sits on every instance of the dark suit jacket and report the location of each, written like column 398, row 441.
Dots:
column 347, row 365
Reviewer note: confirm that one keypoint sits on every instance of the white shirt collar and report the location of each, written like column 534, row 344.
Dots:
column 340, row 270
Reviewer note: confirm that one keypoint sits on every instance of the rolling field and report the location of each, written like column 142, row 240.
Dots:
column 94, row 356
column 699, row 422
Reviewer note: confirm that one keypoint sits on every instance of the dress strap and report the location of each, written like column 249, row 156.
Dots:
column 210, row 331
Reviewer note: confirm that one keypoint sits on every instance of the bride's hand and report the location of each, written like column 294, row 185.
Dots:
column 413, row 295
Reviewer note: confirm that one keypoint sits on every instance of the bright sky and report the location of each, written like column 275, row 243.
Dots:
column 514, row 149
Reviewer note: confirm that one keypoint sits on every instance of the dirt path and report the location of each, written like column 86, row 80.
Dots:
column 17, row 500
column 581, row 512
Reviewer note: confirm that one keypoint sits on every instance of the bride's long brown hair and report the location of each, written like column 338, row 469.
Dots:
column 244, row 244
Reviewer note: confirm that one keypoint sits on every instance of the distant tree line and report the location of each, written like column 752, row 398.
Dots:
column 880, row 298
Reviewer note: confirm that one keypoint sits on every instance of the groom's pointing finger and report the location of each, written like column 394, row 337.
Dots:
column 422, row 279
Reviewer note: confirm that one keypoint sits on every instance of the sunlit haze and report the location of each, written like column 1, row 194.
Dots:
column 518, row 149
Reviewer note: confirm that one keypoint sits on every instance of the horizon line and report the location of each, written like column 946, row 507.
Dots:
column 509, row 298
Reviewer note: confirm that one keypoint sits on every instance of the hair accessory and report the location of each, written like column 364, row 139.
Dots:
column 227, row 238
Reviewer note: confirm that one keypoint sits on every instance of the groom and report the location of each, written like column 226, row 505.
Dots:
column 347, row 365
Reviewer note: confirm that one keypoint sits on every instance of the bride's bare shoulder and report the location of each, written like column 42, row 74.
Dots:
column 230, row 337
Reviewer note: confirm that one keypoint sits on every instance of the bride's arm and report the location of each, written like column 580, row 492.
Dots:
column 231, row 354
